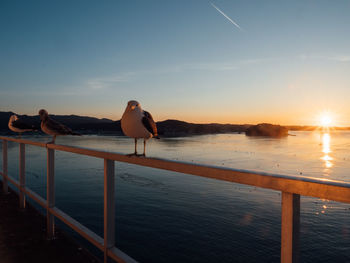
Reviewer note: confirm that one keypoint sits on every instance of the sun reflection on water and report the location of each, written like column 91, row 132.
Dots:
column 326, row 149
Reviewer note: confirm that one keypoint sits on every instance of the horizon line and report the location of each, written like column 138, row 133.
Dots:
column 208, row 122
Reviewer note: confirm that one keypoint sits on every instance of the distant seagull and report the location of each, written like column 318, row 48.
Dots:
column 19, row 126
column 137, row 123
column 52, row 127
column 227, row 17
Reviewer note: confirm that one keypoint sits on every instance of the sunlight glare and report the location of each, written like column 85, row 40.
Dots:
column 326, row 119
column 326, row 139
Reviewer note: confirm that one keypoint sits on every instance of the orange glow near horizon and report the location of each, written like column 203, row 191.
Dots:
column 324, row 120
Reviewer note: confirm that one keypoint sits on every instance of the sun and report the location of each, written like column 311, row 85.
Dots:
column 326, row 119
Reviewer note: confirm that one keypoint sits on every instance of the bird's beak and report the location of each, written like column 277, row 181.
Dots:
column 133, row 107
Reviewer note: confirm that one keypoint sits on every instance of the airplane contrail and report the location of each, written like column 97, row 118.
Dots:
column 229, row 19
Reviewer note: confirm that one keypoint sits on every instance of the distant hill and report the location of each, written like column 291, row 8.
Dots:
column 91, row 125
column 83, row 124
column 267, row 129
column 181, row 128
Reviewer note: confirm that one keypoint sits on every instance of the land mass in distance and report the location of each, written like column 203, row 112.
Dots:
column 167, row 128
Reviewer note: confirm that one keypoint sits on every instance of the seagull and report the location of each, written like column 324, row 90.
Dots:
column 19, row 126
column 137, row 123
column 52, row 127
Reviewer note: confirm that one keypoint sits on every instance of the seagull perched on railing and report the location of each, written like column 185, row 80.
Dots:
column 16, row 125
column 52, row 127
column 137, row 123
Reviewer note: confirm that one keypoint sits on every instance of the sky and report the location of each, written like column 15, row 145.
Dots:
column 221, row 61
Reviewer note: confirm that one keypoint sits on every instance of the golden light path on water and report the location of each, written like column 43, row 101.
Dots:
column 326, row 149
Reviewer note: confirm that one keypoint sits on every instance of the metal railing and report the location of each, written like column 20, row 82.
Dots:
column 290, row 186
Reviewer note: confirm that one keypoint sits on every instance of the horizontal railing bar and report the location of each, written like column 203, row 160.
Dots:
column 163, row 163
column 40, row 144
column 159, row 163
column 315, row 187
column 41, row 201
column 11, row 180
column 79, row 228
column 120, row 256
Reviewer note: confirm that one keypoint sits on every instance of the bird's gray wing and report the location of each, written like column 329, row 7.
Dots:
column 149, row 123
column 57, row 127
column 22, row 125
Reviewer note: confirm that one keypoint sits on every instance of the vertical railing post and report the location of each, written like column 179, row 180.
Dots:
column 109, row 216
column 50, row 193
column 296, row 228
column 4, row 167
column 290, row 227
column 22, row 175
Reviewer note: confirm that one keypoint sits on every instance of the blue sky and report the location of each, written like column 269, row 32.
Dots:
column 180, row 59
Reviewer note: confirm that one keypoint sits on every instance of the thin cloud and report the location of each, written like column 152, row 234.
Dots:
column 343, row 59
column 107, row 82
column 340, row 58
column 113, row 81
column 228, row 18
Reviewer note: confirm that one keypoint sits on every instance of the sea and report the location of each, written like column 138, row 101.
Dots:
column 164, row 216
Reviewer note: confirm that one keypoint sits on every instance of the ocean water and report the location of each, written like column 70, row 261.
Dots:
column 164, row 216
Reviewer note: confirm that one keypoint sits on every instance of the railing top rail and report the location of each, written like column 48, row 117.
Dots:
column 316, row 187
